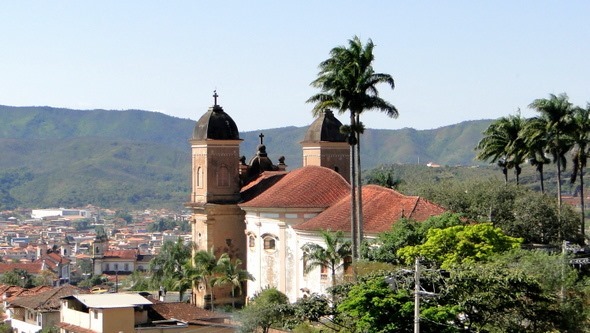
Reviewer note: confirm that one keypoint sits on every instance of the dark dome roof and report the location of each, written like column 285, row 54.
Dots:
column 325, row 128
column 260, row 163
column 215, row 124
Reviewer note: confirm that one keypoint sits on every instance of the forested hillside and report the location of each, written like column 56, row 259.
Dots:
column 62, row 157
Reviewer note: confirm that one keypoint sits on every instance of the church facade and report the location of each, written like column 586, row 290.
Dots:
column 263, row 215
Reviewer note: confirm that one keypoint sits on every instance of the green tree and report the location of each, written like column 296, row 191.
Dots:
column 406, row 233
column 184, row 280
column 137, row 281
column 92, row 281
column 503, row 144
column 331, row 255
column 517, row 291
column 553, row 127
column 169, row 265
column 266, row 309
column 313, row 309
column 452, row 245
column 231, row 272
column 124, row 215
column 580, row 135
column 18, row 277
column 373, row 307
column 348, row 83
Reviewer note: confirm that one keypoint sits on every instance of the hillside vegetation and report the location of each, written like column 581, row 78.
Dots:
column 60, row 157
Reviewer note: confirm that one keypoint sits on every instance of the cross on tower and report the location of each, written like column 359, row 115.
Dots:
column 261, row 136
column 215, row 97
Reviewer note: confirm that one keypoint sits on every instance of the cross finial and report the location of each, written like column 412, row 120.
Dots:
column 261, row 136
column 215, row 97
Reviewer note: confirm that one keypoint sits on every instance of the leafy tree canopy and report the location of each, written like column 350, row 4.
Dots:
column 457, row 244
column 267, row 308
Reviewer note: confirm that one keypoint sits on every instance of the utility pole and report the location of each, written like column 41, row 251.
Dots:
column 417, row 296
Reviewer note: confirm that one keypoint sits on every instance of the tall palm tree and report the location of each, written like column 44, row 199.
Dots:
column 554, row 125
column 535, row 145
column 503, row 144
column 348, row 83
column 331, row 255
column 231, row 272
column 580, row 136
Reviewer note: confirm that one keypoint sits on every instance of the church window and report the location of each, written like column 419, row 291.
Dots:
column 199, row 179
column 269, row 243
column 251, row 241
column 223, row 176
column 107, row 267
column 116, row 267
column 126, row 267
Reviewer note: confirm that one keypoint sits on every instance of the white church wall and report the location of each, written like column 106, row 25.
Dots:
column 281, row 267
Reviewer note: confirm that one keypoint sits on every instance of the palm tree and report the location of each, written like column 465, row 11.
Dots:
column 535, row 145
column 184, row 279
column 580, row 136
column 205, row 263
column 503, row 143
column 331, row 255
column 170, row 262
column 554, row 125
column 231, row 273
column 348, row 83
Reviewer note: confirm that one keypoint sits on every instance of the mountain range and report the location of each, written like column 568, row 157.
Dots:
column 52, row 157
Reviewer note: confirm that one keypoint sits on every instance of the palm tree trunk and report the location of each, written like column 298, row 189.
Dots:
column 233, row 298
column 353, row 220
column 560, row 231
column 359, row 188
column 540, row 169
column 583, row 217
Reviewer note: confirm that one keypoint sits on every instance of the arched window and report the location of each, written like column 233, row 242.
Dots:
column 199, row 177
column 252, row 241
column 223, row 176
column 269, row 243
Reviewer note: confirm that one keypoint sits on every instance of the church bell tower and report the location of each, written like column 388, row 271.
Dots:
column 217, row 221
column 325, row 146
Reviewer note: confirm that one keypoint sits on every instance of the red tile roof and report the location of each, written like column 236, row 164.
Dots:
column 122, row 254
column 27, row 292
column 264, row 181
column 74, row 328
column 48, row 300
column 381, row 208
column 185, row 312
column 307, row 187
column 31, row 268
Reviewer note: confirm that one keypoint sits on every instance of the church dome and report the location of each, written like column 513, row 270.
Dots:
column 215, row 124
column 325, row 128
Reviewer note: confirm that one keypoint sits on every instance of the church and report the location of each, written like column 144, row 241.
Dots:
column 263, row 214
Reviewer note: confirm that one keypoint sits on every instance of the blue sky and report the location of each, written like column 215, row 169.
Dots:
column 451, row 60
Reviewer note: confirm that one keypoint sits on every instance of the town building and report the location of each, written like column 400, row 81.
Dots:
column 32, row 313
